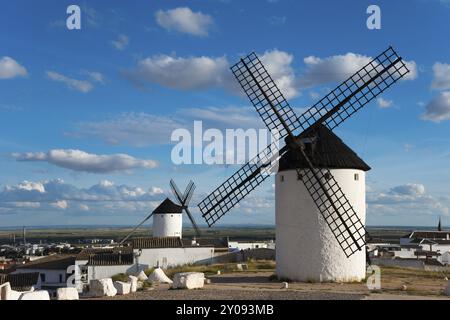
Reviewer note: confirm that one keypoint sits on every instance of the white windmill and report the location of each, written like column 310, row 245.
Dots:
column 168, row 216
column 320, row 185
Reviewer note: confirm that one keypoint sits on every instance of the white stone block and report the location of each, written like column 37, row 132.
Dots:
column 102, row 287
column 67, row 294
column 158, row 276
column 133, row 281
column 5, row 291
column 122, row 287
column 13, row 295
column 188, row 280
column 142, row 276
column 35, row 295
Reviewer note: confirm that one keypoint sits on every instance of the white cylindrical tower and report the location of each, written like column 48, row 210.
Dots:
column 306, row 249
column 167, row 220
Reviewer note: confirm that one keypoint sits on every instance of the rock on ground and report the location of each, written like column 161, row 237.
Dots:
column 158, row 276
column 142, row 276
column 133, row 281
column 188, row 280
column 35, row 295
column 122, row 287
column 5, row 291
column 67, row 294
column 102, row 287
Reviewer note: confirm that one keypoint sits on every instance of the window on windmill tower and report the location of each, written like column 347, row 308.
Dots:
column 308, row 143
column 356, row 177
column 282, row 178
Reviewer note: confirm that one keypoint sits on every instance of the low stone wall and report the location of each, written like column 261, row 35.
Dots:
column 244, row 255
column 415, row 264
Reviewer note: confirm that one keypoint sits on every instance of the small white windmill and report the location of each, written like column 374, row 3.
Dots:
column 168, row 216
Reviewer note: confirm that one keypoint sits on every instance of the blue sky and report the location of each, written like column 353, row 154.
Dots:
column 86, row 115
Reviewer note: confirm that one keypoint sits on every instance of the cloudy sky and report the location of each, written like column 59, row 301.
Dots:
column 86, row 116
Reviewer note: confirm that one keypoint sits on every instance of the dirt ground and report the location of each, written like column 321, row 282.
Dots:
column 259, row 286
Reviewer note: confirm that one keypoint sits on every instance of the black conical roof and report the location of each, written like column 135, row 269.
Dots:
column 167, row 206
column 329, row 152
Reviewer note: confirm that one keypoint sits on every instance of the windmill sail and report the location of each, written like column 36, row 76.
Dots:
column 240, row 184
column 184, row 201
column 349, row 97
column 265, row 96
column 334, row 207
column 355, row 92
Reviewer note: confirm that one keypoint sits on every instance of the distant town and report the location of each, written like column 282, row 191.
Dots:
column 44, row 259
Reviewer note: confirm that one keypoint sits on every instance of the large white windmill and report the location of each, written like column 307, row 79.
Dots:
column 320, row 187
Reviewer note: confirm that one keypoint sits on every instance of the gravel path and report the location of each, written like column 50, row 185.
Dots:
column 213, row 294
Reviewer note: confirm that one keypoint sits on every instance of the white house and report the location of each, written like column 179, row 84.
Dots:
column 437, row 242
column 168, row 252
column 53, row 271
column 247, row 245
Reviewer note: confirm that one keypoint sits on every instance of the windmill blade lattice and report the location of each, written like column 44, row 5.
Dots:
column 264, row 94
column 240, row 184
column 334, row 207
column 184, row 201
column 188, row 190
column 355, row 92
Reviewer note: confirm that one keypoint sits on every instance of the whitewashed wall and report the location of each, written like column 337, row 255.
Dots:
column 306, row 249
column 167, row 225
column 100, row 272
column 167, row 257
column 250, row 245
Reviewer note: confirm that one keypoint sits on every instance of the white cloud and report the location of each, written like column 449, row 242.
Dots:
column 84, row 207
column 184, row 20
column 409, row 189
column 441, row 79
column 144, row 129
column 95, row 76
column 121, row 42
column 10, row 68
column 137, row 129
column 277, row 20
column 279, row 66
column 438, row 109
column 384, row 103
column 225, row 117
column 331, row 69
column 28, row 186
column 78, row 85
column 338, row 68
column 78, row 160
column 403, row 200
column 181, row 73
column 102, row 198
column 200, row 73
column 61, row 204
column 413, row 71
